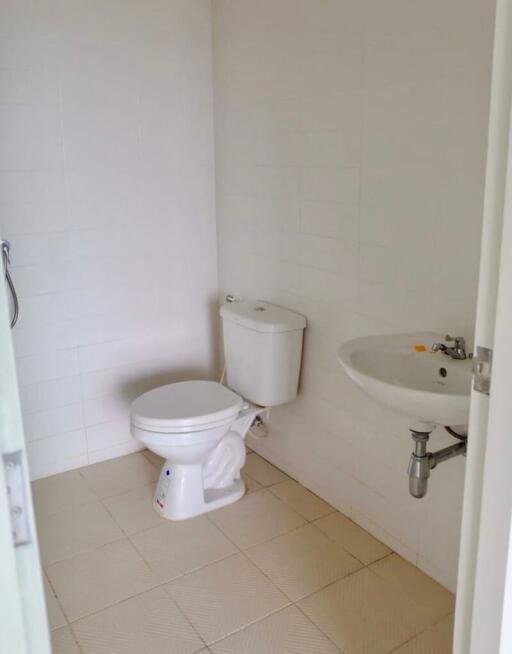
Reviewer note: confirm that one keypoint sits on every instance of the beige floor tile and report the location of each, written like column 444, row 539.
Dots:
column 436, row 640
column 303, row 561
column 150, row 622
column 434, row 600
column 157, row 461
column 262, row 471
column 285, row 632
column 67, row 533
column 56, row 617
column 353, row 538
column 90, row 582
column 255, row 518
column 105, row 582
column 363, row 614
column 251, row 484
column 225, row 596
column 68, row 490
column 133, row 511
column 303, row 501
column 174, row 548
column 119, row 475
column 63, row 642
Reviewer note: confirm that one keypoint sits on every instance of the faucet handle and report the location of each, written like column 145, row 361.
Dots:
column 459, row 346
column 455, row 339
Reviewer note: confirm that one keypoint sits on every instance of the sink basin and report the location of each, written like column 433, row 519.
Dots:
column 429, row 387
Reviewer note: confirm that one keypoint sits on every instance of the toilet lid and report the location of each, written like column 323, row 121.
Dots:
column 185, row 404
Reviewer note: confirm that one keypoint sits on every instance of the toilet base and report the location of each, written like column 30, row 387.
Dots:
column 180, row 494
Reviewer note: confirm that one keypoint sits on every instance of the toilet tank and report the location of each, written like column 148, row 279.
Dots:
column 263, row 350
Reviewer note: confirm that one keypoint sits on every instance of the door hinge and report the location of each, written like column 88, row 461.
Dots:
column 16, row 497
column 482, row 370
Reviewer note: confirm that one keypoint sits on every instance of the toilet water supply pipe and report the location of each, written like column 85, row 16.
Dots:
column 258, row 429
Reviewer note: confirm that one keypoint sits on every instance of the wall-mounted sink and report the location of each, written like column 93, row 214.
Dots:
column 429, row 387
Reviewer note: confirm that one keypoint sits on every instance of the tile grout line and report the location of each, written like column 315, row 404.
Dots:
column 250, row 624
column 365, row 567
column 75, row 638
column 242, row 552
column 70, row 621
column 57, row 599
column 318, row 589
column 324, row 515
column 130, row 597
column 391, row 551
column 423, row 631
column 237, row 547
column 238, row 550
column 45, row 565
column 312, row 521
column 331, row 583
column 299, row 608
column 290, row 603
column 169, row 581
column 185, row 616
column 120, row 601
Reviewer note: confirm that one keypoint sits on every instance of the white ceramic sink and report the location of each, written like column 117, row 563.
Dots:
column 426, row 386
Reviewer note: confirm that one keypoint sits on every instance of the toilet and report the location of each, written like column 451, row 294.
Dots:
column 199, row 426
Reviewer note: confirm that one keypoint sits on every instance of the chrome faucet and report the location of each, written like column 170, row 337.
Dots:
column 458, row 351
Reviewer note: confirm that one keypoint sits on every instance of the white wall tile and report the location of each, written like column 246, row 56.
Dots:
column 330, row 219
column 350, row 144
column 30, row 137
column 404, row 41
column 104, row 409
column 120, row 449
column 404, row 124
column 108, row 434
column 51, row 422
column 50, row 455
column 330, row 184
column 50, row 394
column 107, row 194
column 389, row 101
column 331, row 147
column 46, row 366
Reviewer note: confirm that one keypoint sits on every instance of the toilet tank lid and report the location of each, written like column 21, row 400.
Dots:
column 262, row 316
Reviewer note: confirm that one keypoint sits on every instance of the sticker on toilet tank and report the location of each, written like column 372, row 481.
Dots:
column 163, row 487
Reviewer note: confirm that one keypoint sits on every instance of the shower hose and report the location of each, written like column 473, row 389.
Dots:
column 5, row 256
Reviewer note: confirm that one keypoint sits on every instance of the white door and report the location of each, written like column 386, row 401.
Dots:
column 484, row 592
column 23, row 622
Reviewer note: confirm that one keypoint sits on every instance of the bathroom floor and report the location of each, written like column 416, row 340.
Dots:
column 279, row 572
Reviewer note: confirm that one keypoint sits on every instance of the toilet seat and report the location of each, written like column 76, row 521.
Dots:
column 185, row 407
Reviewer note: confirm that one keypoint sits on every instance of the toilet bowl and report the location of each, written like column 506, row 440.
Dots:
column 198, row 427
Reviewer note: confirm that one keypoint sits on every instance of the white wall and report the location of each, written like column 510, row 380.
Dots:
column 350, row 147
column 107, row 194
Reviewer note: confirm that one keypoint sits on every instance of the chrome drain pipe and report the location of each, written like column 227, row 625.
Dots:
column 419, row 464
column 422, row 462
